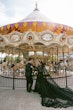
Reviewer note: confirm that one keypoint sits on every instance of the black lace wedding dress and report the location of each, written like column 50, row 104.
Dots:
column 51, row 94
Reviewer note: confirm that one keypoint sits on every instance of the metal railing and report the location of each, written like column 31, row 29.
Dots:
column 14, row 82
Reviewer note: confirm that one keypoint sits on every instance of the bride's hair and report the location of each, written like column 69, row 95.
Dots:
column 42, row 63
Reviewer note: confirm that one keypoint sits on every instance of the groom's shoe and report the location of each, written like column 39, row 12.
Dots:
column 34, row 90
column 28, row 90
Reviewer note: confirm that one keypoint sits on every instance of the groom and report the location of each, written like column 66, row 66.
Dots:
column 28, row 74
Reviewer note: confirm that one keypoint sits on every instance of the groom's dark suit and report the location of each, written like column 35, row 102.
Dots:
column 28, row 74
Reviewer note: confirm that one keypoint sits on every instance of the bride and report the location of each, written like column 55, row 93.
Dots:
column 51, row 94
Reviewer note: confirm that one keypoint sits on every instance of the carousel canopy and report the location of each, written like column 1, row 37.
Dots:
column 36, row 22
column 36, row 16
column 36, row 32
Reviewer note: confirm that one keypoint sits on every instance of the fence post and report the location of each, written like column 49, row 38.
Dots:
column 13, row 81
column 66, row 77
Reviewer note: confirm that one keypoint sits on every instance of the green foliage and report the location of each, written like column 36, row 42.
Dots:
column 9, row 58
column 12, row 59
column 18, row 59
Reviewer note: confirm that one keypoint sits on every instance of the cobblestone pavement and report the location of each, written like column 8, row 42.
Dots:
column 19, row 99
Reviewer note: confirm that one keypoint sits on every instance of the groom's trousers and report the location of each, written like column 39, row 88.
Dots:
column 29, row 83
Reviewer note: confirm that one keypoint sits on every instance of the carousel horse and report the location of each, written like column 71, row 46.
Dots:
column 19, row 67
column 5, row 68
column 4, row 65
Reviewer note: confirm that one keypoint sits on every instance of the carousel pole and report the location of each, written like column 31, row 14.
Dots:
column 52, row 53
column 68, row 56
column 63, row 54
column 7, row 61
column 19, row 60
column 1, row 60
column 65, row 69
column 20, row 53
column 63, row 57
column 68, row 60
column 57, row 54
column 34, row 55
column 13, row 77
column 11, row 54
column 43, row 57
column 48, row 56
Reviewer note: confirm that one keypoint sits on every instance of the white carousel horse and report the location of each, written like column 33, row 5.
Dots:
column 5, row 68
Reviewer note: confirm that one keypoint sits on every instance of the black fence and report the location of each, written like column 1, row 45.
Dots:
column 13, row 83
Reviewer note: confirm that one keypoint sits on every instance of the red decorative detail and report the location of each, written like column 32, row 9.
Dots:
column 29, row 37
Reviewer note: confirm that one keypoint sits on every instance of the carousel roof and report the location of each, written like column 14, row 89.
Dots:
column 38, row 23
column 24, row 33
column 36, row 16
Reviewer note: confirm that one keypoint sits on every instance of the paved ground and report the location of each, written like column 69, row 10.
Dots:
column 21, row 100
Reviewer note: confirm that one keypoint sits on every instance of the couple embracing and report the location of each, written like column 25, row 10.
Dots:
column 29, row 73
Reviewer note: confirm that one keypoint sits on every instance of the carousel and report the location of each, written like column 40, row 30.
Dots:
column 37, row 37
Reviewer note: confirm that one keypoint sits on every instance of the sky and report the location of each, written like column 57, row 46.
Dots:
column 58, row 11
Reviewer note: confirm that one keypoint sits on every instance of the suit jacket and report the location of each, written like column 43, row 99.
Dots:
column 28, row 70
